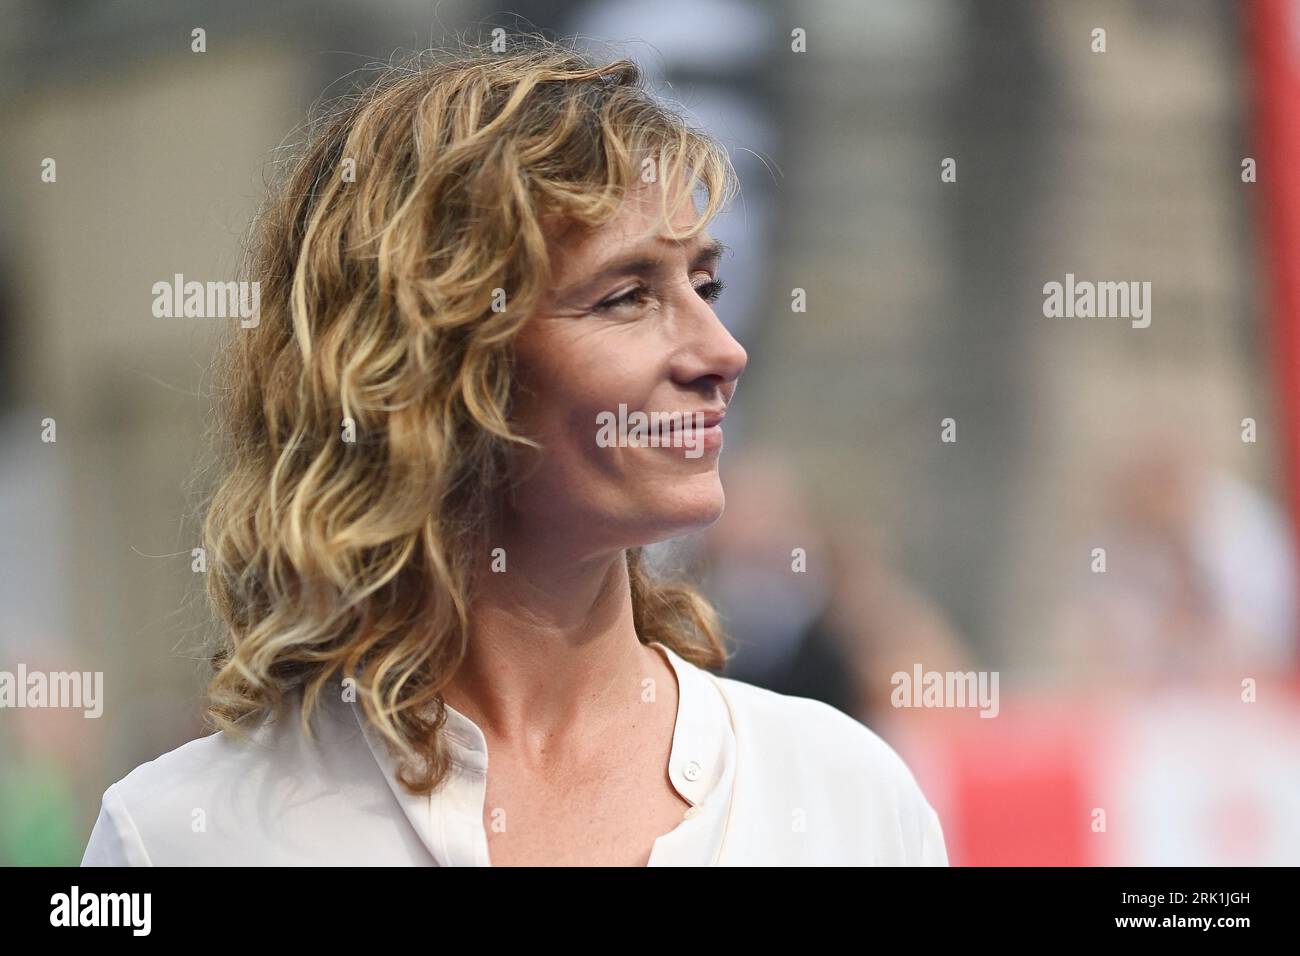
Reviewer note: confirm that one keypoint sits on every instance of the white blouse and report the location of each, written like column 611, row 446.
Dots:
column 771, row 780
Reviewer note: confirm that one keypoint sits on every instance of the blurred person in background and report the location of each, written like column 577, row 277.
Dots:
column 811, row 612
column 770, row 572
column 1199, row 578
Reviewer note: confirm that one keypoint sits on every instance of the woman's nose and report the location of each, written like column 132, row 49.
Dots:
column 707, row 349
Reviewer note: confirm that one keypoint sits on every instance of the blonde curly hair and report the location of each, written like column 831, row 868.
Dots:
column 333, row 559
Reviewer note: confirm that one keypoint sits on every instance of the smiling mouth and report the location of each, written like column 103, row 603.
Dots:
column 697, row 434
column 698, row 431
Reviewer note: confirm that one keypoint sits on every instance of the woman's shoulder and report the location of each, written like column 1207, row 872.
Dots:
column 194, row 771
column 805, row 756
column 814, row 728
column 145, row 815
column 273, row 795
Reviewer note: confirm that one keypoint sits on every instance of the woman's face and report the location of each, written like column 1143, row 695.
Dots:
column 627, row 322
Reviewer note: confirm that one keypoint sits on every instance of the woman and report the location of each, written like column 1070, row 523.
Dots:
column 424, row 553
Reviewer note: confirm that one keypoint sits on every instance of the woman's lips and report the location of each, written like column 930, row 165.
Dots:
column 697, row 430
column 688, row 420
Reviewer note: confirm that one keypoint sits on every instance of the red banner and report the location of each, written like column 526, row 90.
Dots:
column 1274, row 50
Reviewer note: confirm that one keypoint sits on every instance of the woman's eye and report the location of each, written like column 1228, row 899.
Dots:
column 710, row 290
column 639, row 296
column 630, row 297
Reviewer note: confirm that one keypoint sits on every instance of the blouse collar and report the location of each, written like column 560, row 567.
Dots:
column 700, row 761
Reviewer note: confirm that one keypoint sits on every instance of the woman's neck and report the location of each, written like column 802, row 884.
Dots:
column 553, row 658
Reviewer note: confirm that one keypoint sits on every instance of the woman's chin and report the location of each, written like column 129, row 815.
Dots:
column 691, row 505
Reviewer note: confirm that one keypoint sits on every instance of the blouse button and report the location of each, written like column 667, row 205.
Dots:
column 692, row 771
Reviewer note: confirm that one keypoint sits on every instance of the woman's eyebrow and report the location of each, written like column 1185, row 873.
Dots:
column 711, row 251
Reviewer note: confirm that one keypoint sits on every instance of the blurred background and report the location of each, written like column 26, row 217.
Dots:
column 857, row 542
